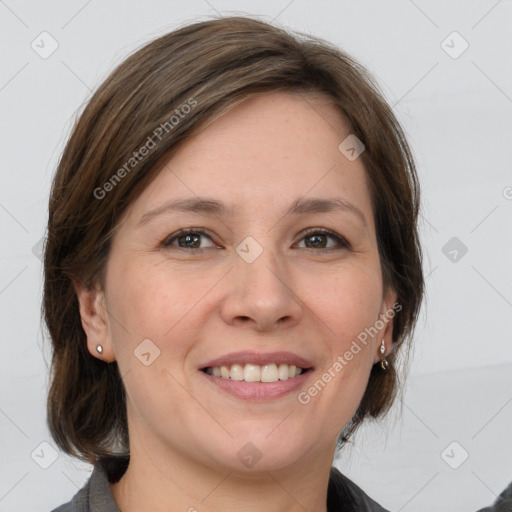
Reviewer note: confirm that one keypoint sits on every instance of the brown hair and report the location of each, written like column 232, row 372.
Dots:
column 210, row 66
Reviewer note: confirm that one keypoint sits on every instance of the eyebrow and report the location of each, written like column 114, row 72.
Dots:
column 205, row 205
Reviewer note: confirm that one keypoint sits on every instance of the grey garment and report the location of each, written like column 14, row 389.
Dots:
column 96, row 496
column 343, row 495
column 503, row 503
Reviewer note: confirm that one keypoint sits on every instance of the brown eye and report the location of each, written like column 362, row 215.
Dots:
column 318, row 239
column 187, row 239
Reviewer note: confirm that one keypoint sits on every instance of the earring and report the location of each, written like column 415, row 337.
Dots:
column 383, row 362
column 99, row 349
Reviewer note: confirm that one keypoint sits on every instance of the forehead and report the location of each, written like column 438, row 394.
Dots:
column 263, row 155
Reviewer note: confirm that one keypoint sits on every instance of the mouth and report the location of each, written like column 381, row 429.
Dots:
column 253, row 376
column 272, row 372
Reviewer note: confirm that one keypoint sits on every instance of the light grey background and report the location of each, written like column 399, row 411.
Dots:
column 457, row 112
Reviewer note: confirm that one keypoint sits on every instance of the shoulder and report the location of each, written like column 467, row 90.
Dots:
column 343, row 495
column 96, row 493
column 79, row 502
column 503, row 503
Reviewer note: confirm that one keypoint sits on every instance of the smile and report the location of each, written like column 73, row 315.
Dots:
column 256, row 376
column 272, row 372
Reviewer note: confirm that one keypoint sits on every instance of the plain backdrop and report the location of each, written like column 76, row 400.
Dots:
column 446, row 69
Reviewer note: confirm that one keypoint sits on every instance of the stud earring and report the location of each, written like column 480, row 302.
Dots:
column 99, row 349
column 383, row 362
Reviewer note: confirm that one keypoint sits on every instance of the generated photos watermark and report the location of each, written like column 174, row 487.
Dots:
column 151, row 143
column 304, row 397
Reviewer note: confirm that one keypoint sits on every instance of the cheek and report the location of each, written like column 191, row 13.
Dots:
column 147, row 300
column 142, row 306
column 145, row 305
column 349, row 303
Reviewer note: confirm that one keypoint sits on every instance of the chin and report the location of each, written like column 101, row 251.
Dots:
column 255, row 454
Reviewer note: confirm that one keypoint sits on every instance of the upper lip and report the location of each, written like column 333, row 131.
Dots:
column 248, row 357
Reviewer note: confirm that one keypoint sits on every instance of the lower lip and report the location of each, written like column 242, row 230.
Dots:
column 259, row 390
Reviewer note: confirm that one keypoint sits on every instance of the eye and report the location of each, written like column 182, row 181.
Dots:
column 315, row 239
column 318, row 238
column 187, row 239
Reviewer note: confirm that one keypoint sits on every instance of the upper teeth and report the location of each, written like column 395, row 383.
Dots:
column 255, row 373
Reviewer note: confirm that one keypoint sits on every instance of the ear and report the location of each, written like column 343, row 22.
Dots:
column 93, row 312
column 389, row 309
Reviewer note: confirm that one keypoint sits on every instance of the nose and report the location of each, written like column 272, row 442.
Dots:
column 261, row 294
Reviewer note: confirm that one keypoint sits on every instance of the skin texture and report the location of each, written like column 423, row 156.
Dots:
column 198, row 304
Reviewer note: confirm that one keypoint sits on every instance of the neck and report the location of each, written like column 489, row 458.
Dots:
column 158, row 481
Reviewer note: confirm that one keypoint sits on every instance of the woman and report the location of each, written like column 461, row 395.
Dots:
column 232, row 272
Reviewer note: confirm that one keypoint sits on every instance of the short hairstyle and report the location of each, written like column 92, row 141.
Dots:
column 146, row 109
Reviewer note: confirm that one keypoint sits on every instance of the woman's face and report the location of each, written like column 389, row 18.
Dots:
column 255, row 289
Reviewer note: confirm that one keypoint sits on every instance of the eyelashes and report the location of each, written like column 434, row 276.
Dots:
column 340, row 240
column 185, row 233
column 192, row 236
